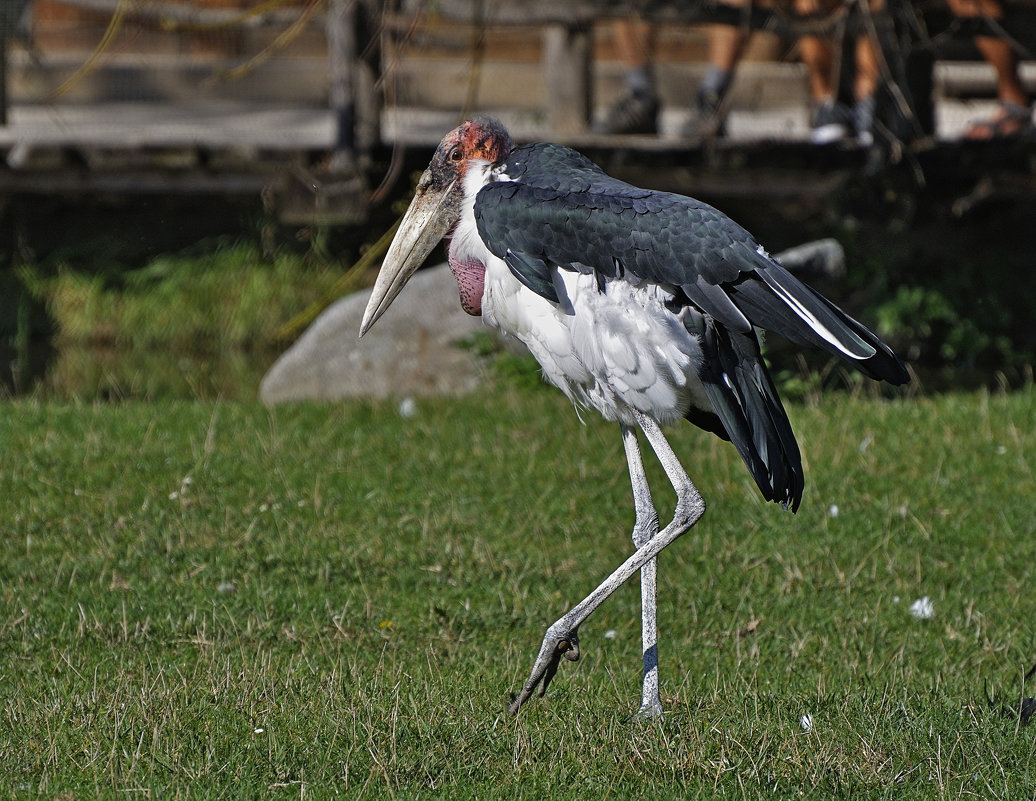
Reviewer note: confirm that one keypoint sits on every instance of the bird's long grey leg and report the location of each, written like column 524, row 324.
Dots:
column 645, row 528
column 689, row 502
column 561, row 639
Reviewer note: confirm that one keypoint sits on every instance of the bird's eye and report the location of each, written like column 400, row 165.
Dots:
column 455, row 154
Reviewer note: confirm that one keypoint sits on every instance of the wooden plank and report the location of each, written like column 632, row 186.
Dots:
column 587, row 12
column 341, row 49
column 171, row 15
column 3, row 79
column 568, row 56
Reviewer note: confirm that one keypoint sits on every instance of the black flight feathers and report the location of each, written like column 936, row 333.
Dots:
column 560, row 209
column 745, row 400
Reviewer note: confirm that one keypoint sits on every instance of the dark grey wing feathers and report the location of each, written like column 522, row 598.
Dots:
column 561, row 210
column 818, row 314
column 815, row 321
column 533, row 272
column 714, row 301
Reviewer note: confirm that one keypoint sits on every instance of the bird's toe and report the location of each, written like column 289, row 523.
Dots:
column 568, row 646
column 557, row 646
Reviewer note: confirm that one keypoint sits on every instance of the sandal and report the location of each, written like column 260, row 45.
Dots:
column 1010, row 122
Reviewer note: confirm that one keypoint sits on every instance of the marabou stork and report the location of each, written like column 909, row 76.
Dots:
column 640, row 304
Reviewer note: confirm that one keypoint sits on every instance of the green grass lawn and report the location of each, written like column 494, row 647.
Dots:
column 204, row 600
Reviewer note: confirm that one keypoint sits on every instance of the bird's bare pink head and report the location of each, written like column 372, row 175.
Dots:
column 436, row 207
column 480, row 139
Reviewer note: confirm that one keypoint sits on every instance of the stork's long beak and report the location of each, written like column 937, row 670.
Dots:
column 429, row 218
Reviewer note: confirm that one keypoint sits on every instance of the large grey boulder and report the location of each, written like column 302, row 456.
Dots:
column 412, row 350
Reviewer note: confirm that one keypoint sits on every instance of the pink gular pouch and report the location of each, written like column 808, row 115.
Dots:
column 471, row 281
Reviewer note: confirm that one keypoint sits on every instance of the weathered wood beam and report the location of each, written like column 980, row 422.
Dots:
column 181, row 15
column 3, row 78
column 568, row 60
column 586, row 12
column 341, row 50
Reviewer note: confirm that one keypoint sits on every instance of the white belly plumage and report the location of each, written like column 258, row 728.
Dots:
column 613, row 348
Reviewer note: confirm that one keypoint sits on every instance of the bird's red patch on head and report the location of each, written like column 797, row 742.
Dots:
column 485, row 138
column 478, row 139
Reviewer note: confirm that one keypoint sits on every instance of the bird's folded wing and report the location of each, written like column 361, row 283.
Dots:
column 698, row 253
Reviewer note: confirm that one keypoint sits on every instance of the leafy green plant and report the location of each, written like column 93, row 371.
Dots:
column 230, row 297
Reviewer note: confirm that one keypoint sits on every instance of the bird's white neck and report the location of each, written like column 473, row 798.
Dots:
column 466, row 244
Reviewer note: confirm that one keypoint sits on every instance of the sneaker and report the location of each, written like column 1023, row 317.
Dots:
column 863, row 121
column 705, row 119
column 830, row 123
column 633, row 113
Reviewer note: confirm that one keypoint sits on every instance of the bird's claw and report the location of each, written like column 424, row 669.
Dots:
column 567, row 647
column 554, row 647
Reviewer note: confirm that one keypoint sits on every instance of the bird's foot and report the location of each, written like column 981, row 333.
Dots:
column 558, row 642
